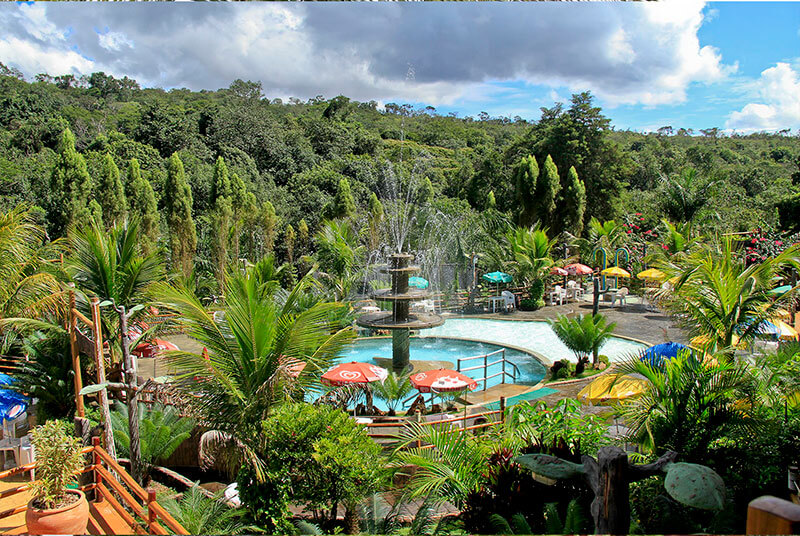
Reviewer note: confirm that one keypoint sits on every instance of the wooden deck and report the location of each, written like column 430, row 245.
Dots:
column 118, row 505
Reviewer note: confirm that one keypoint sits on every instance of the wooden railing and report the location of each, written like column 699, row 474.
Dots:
column 114, row 486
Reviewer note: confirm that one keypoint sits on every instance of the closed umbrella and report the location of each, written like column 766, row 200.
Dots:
column 418, row 282
column 578, row 269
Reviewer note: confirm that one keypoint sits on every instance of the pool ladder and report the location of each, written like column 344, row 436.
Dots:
column 513, row 375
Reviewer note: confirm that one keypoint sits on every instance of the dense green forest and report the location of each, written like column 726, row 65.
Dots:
column 191, row 163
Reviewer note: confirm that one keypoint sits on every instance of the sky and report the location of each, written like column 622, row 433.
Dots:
column 679, row 63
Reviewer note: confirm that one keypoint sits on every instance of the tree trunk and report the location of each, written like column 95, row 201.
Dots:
column 131, row 399
column 351, row 519
column 609, row 480
column 595, row 295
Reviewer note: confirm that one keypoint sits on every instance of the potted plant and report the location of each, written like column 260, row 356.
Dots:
column 53, row 508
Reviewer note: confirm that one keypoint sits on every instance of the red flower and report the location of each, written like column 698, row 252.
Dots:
column 664, row 246
column 638, row 214
column 778, row 243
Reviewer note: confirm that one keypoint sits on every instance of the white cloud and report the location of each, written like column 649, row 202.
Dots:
column 32, row 57
column 644, row 53
column 114, row 41
column 776, row 106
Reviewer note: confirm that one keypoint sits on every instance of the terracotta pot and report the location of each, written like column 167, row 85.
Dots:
column 71, row 519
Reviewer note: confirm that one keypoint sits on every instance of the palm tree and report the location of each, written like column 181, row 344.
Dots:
column 339, row 254
column 607, row 235
column 687, row 404
column 200, row 514
column 526, row 254
column 583, row 335
column 162, row 428
column 110, row 266
column 29, row 279
column 393, row 390
column 685, row 194
column 250, row 346
column 719, row 297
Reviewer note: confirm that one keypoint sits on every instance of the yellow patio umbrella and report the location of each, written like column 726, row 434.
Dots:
column 653, row 273
column 610, row 389
column 615, row 271
column 701, row 341
column 788, row 333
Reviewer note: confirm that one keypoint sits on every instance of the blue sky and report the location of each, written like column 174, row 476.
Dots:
column 684, row 63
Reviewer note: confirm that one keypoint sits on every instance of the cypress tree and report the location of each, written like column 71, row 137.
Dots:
column 375, row 219
column 289, row 239
column 221, row 218
column 490, row 200
column 70, row 185
column 142, row 207
column 178, row 201
column 425, row 194
column 526, row 175
column 221, row 185
column 302, row 234
column 244, row 205
column 573, row 203
column 111, row 194
column 269, row 225
column 547, row 188
column 344, row 206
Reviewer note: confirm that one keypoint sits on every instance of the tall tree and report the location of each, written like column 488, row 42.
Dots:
column 269, row 226
column 302, row 235
column 182, row 232
column 289, row 239
column 526, row 176
column 221, row 218
column 111, row 194
column 143, row 207
column 344, row 206
column 375, row 220
column 70, row 186
column 573, row 203
column 547, row 188
column 244, row 204
column 221, row 185
column 425, row 193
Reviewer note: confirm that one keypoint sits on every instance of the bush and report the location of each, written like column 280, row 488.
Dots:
column 316, row 456
column 561, row 369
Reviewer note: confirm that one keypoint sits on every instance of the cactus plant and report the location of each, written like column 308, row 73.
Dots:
column 609, row 476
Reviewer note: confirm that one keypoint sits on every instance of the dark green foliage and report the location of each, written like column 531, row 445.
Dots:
column 344, row 206
column 70, row 186
column 573, row 203
column 200, row 514
column 178, row 201
column 583, row 335
column 526, row 177
column 143, row 207
column 110, row 193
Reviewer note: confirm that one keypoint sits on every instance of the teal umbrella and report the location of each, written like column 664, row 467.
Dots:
column 497, row 277
column 780, row 290
column 418, row 282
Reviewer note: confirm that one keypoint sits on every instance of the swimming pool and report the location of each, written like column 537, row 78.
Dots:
column 534, row 336
column 450, row 350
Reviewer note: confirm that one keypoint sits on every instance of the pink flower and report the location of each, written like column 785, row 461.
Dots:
column 778, row 243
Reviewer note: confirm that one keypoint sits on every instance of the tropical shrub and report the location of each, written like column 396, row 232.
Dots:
column 326, row 459
column 564, row 422
column 58, row 456
column 200, row 514
column 393, row 390
column 583, row 335
column 161, row 432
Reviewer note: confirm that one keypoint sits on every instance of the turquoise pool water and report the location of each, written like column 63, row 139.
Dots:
column 533, row 336
column 442, row 349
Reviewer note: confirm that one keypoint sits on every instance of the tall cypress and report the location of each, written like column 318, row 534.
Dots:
column 573, row 203
column 70, row 185
column 142, row 206
column 269, row 226
column 547, row 188
column 178, row 202
column 244, row 206
column 344, row 206
column 221, row 218
column 425, row 194
column 302, row 234
column 221, row 186
column 110, row 193
column 289, row 238
column 526, row 175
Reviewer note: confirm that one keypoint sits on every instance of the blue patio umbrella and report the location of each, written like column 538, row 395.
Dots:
column 655, row 355
column 780, row 290
column 497, row 277
column 12, row 403
column 418, row 282
column 768, row 329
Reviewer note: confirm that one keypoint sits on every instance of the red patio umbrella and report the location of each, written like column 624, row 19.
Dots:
column 153, row 348
column 442, row 380
column 578, row 269
column 355, row 372
column 555, row 270
column 293, row 366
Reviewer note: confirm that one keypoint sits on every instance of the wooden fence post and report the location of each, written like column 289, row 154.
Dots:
column 151, row 515
column 96, row 461
column 771, row 515
column 502, row 409
column 76, row 358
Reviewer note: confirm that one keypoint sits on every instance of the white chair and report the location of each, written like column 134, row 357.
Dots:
column 510, row 302
column 574, row 290
column 558, row 294
column 620, row 295
column 10, row 442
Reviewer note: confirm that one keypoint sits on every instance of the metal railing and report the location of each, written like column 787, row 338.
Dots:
column 503, row 373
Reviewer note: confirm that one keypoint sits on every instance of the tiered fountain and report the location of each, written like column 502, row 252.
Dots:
column 400, row 321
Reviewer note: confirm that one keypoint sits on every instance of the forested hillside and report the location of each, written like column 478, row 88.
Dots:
column 189, row 163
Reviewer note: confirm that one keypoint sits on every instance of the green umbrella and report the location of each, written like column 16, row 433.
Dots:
column 497, row 277
column 780, row 290
column 418, row 282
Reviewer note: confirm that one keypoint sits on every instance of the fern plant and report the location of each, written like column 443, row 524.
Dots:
column 161, row 431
